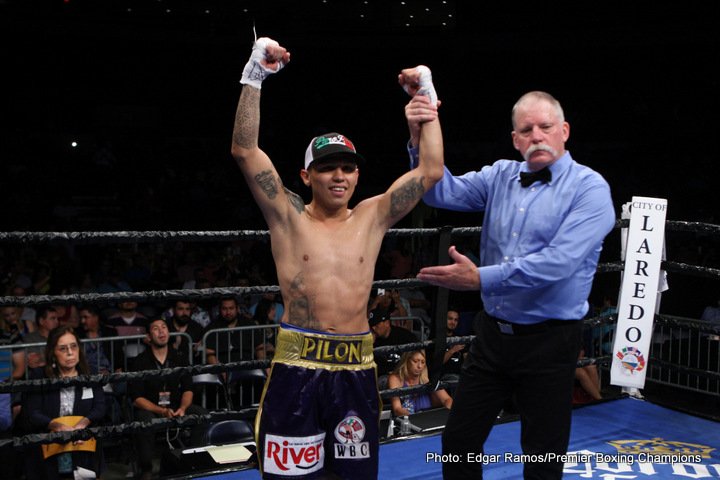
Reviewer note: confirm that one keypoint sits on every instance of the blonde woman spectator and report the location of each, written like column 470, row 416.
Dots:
column 412, row 371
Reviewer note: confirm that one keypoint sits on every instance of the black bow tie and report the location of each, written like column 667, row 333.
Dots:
column 528, row 178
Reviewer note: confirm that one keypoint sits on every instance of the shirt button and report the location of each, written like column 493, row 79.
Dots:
column 515, row 234
column 532, row 189
column 521, row 209
column 497, row 307
column 506, row 258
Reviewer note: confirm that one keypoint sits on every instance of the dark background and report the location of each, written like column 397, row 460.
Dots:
column 156, row 81
column 148, row 89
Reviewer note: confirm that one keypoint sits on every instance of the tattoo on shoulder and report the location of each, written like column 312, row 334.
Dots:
column 268, row 183
column 295, row 200
column 300, row 305
column 406, row 196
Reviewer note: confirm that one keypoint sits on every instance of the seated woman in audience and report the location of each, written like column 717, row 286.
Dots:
column 412, row 370
column 48, row 409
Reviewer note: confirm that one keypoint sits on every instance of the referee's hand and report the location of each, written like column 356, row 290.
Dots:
column 461, row 275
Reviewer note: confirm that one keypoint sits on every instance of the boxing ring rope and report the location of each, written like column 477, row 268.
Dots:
column 127, row 428
column 441, row 343
column 195, row 294
column 187, row 236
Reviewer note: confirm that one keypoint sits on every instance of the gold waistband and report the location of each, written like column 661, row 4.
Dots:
column 318, row 350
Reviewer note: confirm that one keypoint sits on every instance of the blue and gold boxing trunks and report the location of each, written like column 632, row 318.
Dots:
column 320, row 408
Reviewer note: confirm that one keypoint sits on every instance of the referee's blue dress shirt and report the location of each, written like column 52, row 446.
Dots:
column 539, row 245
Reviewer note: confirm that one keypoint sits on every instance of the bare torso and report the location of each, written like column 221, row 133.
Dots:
column 325, row 269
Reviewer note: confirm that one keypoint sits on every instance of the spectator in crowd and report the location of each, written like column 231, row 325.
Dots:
column 276, row 300
column 65, row 409
column 102, row 357
column 229, row 346
column 244, row 303
column 160, row 397
column 455, row 355
column 27, row 315
column 412, row 371
column 181, row 322
column 198, row 314
column 67, row 314
column 46, row 321
column 11, row 317
column 12, row 362
column 395, row 305
column 128, row 320
column 384, row 334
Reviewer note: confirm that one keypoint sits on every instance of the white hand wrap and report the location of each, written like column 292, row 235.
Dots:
column 425, row 82
column 255, row 72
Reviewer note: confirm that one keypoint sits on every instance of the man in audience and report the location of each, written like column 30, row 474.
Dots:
column 46, row 320
column 384, row 334
column 160, row 397
column 101, row 357
column 225, row 346
column 181, row 322
column 127, row 320
column 454, row 356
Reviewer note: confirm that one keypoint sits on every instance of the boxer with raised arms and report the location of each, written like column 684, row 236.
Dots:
column 319, row 411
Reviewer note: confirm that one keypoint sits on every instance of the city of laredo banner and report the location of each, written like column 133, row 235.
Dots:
column 638, row 293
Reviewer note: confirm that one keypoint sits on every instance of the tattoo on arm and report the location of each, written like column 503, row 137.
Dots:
column 295, row 200
column 247, row 118
column 267, row 183
column 300, row 306
column 406, row 196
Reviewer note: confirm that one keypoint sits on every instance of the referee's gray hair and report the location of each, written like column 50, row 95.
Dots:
column 538, row 95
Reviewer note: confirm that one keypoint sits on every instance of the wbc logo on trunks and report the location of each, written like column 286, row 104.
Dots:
column 350, row 433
